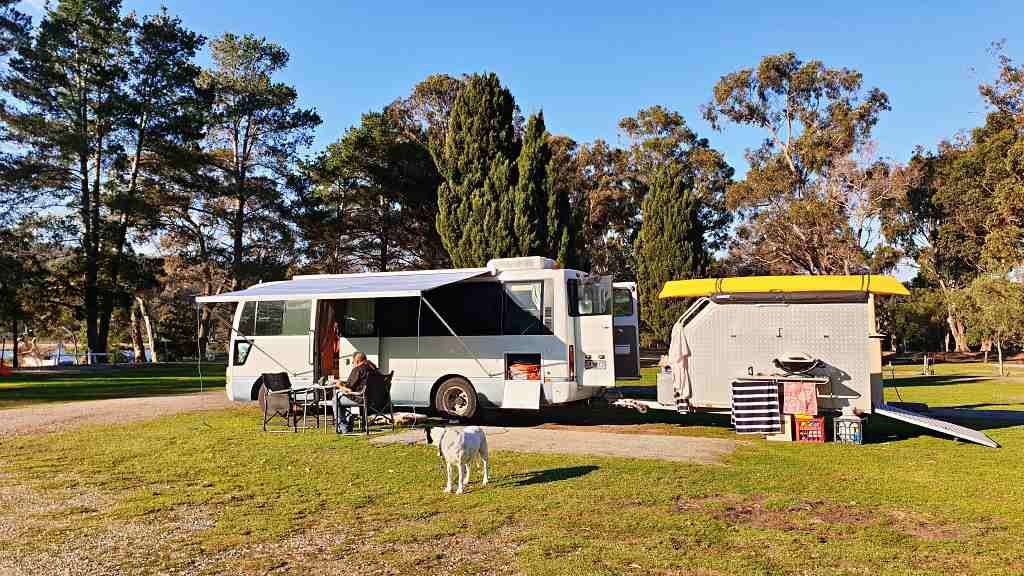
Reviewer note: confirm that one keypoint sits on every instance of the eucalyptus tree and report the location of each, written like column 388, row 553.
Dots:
column 800, row 214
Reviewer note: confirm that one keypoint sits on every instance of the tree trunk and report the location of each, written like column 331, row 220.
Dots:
column 999, row 351
column 121, row 237
column 14, row 329
column 138, row 350
column 91, row 272
column 959, row 333
column 148, row 322
column 204, row 329
column 237, row 237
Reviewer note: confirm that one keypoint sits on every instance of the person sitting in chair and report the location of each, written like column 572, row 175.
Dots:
column 349, row 394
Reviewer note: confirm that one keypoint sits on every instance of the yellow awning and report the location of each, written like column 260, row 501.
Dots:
column 873, row 283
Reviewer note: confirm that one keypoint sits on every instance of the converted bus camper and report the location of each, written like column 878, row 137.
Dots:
column 519, row 333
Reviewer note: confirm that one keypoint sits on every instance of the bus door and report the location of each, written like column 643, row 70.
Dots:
column 590, row 302
column 626, row 312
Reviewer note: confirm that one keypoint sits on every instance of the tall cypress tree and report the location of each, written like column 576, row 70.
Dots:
column 474, row 217
column 559, row 185
column 532, row 218
column 670, row 246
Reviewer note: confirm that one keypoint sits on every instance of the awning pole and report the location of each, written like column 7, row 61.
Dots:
column 468, row 351
column 416, row 366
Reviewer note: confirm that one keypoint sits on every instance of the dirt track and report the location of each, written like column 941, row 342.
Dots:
column 677, row 448
column 42, row 418
column 46, row 418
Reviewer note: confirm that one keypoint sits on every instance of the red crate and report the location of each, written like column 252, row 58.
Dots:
column 809, row 428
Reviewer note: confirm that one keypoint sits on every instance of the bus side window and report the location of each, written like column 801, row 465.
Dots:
column 622, row 303
column 523, row 312
column 242, row 348
column 247, row 322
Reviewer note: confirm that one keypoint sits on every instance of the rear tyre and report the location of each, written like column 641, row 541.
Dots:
column 456, row 397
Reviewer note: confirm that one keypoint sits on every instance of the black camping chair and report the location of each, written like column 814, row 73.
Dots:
column 278, row 401
column 377, row 407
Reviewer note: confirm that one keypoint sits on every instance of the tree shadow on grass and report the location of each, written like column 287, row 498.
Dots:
column 914, row 381
column 545, row 476
column 599, row 413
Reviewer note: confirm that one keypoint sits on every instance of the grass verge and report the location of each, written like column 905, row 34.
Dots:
column 68, row 384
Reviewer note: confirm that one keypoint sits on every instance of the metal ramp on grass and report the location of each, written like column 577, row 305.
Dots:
column 936, row 425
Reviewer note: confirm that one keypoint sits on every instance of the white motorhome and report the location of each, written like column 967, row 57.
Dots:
column 519, row 333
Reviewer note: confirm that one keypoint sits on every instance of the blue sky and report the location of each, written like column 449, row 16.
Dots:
column 587, row 64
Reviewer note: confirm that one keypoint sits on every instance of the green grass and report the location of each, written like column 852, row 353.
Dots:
column 969, row 386
column 300, row 503
column 648, row 377
column 69, row 385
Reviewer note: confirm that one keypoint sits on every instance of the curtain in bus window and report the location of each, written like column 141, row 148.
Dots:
column 523, row 311
column 327, row 339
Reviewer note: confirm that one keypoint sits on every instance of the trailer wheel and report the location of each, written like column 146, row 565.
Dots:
column 456, row 396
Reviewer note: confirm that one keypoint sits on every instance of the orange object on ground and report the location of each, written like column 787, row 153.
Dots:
column 5, row 371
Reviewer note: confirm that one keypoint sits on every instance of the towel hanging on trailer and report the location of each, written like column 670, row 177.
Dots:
column 679, row 360
column 755, row 407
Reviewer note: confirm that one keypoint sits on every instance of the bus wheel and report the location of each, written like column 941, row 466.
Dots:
column 456, row 397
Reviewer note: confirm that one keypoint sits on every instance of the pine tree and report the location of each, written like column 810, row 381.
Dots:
column 532, row 216
column 670, row 246
column 475, row 200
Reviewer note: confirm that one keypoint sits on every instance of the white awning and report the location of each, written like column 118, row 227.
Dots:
column 349, row 286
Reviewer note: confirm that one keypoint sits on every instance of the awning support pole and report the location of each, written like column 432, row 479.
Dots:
column 464, row 346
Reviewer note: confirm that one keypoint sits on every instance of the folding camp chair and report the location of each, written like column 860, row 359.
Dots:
column 377, row 407
column 279, row 400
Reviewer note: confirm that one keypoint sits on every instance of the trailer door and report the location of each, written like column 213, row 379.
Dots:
column 590, row 303
column 626, row 312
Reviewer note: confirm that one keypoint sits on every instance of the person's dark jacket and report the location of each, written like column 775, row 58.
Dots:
column 360, row 376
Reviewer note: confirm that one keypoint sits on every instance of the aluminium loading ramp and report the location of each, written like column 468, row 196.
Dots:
column 936, row 425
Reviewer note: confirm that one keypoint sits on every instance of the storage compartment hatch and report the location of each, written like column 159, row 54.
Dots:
column 936, row 425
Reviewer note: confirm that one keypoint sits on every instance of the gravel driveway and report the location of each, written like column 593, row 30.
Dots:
column 44, row 418
column 678, row 448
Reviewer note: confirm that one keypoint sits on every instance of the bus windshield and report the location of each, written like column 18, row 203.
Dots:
column 590, row 296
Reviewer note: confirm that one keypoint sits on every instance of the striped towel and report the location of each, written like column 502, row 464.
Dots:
column 755, row 407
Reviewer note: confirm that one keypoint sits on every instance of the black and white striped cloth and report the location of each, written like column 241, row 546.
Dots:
column 756, row 407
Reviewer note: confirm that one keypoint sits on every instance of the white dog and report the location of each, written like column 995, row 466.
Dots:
column 458, row 447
